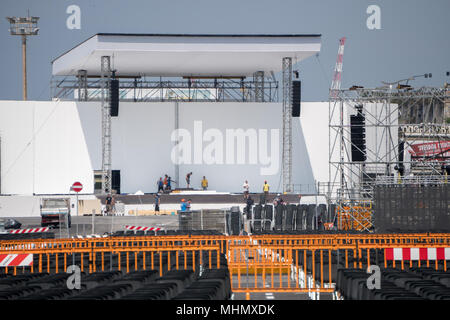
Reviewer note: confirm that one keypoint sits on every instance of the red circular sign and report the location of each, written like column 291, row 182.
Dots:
column 77, row 187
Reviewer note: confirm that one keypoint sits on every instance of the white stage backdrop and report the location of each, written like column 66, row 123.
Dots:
column 46, row 146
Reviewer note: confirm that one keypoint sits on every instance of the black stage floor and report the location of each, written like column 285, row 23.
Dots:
column 149, row 198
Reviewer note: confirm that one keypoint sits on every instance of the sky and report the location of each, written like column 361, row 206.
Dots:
column 412, row 38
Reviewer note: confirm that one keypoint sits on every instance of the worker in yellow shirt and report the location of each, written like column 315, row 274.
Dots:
column 204, row 183
column 266, row 188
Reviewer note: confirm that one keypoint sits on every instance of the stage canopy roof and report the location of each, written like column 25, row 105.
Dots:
column 173, row 55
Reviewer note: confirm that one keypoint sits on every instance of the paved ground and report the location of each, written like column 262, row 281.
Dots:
column 99, row 224
column 271, row 295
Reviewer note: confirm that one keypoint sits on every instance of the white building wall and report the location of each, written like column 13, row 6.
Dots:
column 67, row 144
column 43, row 148
column 314, row 124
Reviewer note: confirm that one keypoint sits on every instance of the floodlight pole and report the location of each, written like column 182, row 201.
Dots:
column 23, row 26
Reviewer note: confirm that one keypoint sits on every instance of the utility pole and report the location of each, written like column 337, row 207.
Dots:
column 23, row 26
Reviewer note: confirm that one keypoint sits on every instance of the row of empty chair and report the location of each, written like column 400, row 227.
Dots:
column 326, row 263
column 395, row 284
column 131, row 261
column 140, row 285
column 202, row 284
column 27, row 236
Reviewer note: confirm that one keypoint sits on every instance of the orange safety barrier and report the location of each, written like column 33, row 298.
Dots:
column 257, row 263
column 356, row 217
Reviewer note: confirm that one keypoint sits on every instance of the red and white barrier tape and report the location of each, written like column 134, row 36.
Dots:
column 16, row 260
column 140, row 228
column 89, row 236
column 417, row 254
column 30, row 230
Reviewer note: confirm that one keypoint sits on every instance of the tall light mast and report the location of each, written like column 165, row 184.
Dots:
column 23, row 26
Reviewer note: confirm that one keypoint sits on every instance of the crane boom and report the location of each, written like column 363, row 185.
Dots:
column 336, row 84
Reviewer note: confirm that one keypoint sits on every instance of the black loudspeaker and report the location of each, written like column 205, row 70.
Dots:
column 115, row 180
column 358, row 135
column 114, row 95
column 296, row 97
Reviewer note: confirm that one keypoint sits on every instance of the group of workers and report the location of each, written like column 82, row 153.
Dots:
column 204, row 182
column 186, row 205
column 165, row 184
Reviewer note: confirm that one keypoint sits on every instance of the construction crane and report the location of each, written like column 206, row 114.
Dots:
column 336, row 84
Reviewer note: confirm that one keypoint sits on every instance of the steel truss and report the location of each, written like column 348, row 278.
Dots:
column 287, row 125
column 388, row 142
column 259, row 89
column 106, row 125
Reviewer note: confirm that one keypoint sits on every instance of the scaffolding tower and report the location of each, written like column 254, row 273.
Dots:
column 106, row 125
column 287, row 125
column 390, row 149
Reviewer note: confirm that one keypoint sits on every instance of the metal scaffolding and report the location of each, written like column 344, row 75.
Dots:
column 139, row 89
column 106, row 125
column 391, row 147
column 82, row 85
column 287, row 125
column 259, row 86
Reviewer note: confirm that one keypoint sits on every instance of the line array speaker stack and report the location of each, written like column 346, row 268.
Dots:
column 296, row 97
column 114, row 95
column 358, row 135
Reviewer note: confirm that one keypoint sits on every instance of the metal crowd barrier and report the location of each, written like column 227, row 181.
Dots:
column 258, row 263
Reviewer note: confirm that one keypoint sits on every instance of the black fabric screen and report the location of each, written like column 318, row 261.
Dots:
column 419, row 208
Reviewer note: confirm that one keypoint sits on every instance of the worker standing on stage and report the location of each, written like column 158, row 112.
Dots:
column 188, row 180
column 204, row 183
column 160, row 184
column 165, row 182
column 169, row 183
column 246, row 189
column 266, row 188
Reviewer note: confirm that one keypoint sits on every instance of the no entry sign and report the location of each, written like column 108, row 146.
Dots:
column 77, row 186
